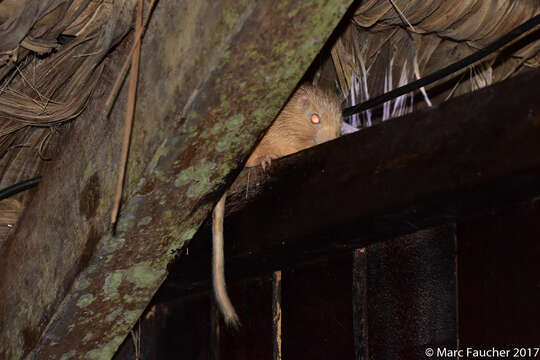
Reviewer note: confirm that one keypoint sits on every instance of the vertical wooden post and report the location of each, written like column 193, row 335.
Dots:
column 411, row 288
column 276, row 314
column 214, row 349
column 359, row 304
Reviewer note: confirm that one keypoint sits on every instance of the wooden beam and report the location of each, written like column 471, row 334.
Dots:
column 410, row 295
column 427, row 168
column 213, row 75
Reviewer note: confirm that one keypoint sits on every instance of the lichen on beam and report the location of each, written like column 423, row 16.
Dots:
column 213, row 75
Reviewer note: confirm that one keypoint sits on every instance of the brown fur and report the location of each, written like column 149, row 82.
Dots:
column 291, row 132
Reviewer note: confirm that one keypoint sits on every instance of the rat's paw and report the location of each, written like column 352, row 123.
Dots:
column 266, row 162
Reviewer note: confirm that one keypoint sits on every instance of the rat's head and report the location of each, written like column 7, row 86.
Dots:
column 310, row 117
column 314, row 115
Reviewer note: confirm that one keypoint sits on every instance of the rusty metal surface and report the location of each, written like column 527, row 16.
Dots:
column 213, row 75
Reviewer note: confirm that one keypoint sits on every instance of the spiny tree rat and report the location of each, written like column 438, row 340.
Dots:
column 311, row 116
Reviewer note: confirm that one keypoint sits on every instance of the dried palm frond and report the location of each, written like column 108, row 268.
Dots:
column 38, row 93
column 10, row 211
column 392, row 42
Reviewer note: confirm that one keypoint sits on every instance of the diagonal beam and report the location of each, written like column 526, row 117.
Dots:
column 213, row 75
column 428, row 168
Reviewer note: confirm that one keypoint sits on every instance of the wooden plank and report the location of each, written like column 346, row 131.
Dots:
column 403, row 295
column 411, row 295
column 276, row 315
column 317, row 310
column 498, row 271
column 427, row 168
column 213, row 75
column 253, row 340
column 168, row 330
column 360, row 304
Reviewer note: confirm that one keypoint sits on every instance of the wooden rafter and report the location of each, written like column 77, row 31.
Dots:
column 428, row 168
column 213, row 75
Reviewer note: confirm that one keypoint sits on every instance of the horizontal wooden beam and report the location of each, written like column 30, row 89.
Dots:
column 430, row 167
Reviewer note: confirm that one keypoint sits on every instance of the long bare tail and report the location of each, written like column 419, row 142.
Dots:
column 218, row 260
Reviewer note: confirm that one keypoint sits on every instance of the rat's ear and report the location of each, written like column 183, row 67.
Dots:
column 303, row 100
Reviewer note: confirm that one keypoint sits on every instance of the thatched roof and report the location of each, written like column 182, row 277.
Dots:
column 51, row 53
column 51, row 56
column 392, row 43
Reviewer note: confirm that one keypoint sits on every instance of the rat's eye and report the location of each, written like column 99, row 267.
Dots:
column 315, row 118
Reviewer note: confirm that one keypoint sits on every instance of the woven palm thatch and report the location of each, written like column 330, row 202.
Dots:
column 393, row 42
column 52, row 51
column 51, row 55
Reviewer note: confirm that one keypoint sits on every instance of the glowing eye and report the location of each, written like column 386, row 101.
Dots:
column 315, row 118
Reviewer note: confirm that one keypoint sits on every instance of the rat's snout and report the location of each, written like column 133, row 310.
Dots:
column 326, row 134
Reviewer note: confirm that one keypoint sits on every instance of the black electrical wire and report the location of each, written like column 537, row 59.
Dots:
column 450, row 69
column 17, row 188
